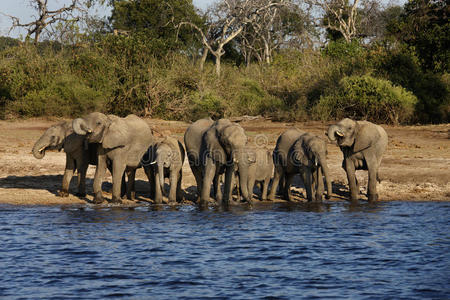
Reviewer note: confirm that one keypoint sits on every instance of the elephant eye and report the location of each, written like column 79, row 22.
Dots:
column 99, row 123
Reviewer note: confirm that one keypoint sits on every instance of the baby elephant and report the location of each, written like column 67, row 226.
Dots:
column 260, row 171
column 166, row 161
column 78, row 154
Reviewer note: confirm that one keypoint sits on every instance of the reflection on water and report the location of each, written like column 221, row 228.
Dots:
column 281, row 250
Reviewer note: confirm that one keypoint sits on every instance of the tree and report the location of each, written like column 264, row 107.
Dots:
column 425, row 27
column 47, row 17
column 226, row 20
column 155, row 19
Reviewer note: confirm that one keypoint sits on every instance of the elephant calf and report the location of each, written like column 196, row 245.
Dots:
column 78, row 154
column 363, row 144
column 166, row 161
column 260, row 170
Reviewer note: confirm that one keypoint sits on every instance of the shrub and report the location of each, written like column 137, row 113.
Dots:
column 367, row 98
column 207, row 105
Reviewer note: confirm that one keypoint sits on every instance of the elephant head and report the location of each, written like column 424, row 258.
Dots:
column 163, row 159
column 348, row 133
column 52, row 139
column 110, row 131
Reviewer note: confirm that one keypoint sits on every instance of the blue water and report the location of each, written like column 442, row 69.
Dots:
column 391, row 250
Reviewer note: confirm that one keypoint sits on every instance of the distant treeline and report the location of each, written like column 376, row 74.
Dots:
column 150, row 63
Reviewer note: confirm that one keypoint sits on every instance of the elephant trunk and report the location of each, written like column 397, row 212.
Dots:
column 39, row 147
column 333, row 130
column 243, row 179
column 80, row 126
column 326, row 173
column 160, row 164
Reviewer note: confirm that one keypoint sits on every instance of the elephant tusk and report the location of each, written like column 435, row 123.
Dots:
column 153, row 162
column 42, row 149
column 89, row 131
column 339, row 134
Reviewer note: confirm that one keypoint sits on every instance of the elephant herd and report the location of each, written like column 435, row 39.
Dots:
column 218, row 152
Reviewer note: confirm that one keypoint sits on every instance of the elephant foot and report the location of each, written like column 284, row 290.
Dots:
column 80, row 194
column 131, row 196
column 116, row 200
column 63, row 193
column 98, row 199
column 328, row 197
column 372, row 197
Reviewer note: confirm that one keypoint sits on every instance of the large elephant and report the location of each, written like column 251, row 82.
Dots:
column 166, row 159
column 193, row 138
column 362, row 144
column 298, row 152
column 221, row 150
column 308, row 154
column 78, row 154
column 121, row 140
column 280, row 160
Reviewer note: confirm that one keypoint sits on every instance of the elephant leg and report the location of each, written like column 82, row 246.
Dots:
column 350, row 169
column 265, row 187
column 287, row 186
column 150, row 177
column 173, row 181
column 82, row 166
column 210, row 171
column 275, row 182
column 308, row 183
column 319, row 183
column 372, row 185
column 118, row 172
column 98, row 178
column 197, row 171
column 131, row 188
column 217, row 189
column 68, row 173
column 251, row 186
column 179, row 190
column 157, row 186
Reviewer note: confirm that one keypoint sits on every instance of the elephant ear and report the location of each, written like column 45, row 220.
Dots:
column 116, row 134
column 299, row 154
column 365, row 135
column 214, row 149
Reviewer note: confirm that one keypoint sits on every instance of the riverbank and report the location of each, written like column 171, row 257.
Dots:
column 415, row 167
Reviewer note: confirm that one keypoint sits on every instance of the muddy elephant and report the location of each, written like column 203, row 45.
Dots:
column 260, row 170
column 166, row 160
column 221, row 151
column 309, row 155
column 121, row 140
column 78, row 154
column 362, row 144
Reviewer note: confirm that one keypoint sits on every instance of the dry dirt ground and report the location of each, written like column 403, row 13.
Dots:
column 415, row 167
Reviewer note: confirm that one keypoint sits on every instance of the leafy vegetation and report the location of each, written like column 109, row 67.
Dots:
column 151, row 67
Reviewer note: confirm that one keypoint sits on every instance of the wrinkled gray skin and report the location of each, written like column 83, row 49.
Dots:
column 362, row 144
column 280, row 160
column 221, row 150
column 298, row 152
column 260, row 170
column 78, row 155
column 308, row 155
column 121, row 140
column 166, row 161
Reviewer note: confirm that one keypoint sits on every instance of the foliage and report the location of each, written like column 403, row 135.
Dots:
column 367, row 98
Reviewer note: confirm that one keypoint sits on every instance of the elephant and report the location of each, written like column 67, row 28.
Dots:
column 260, row 170
column 221, row 151
column 362, row 144
column 166, row 159
column 309, row 155
column 78, row 154
column 193, row 138
column 121, row 140
column 298, row 152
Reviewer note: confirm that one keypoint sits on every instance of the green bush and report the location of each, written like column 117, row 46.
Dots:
column 65, row 96
column 207, row 105
column 367, row 98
